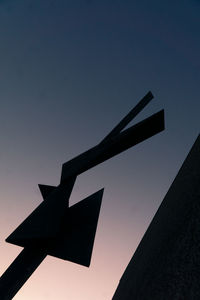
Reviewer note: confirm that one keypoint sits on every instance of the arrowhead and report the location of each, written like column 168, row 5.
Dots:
column 46, row 190
column 44, row 222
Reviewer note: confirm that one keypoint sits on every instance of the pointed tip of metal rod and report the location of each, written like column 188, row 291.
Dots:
column 130, row 116
column 150, row 95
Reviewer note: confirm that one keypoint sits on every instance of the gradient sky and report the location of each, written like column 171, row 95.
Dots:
column 69, row 71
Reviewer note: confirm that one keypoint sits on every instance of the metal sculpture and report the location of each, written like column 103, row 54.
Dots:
column 56, row 229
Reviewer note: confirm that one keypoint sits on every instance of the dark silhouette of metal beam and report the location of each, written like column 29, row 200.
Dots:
column 56, row 229
column 20, row 271
column 115, row 145
column 130, row 116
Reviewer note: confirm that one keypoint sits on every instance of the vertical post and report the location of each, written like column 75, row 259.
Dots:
column 19, row 271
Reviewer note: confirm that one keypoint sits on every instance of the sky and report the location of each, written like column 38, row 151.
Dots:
column 69, row 72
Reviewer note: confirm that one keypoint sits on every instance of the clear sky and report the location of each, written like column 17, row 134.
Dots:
column 69, row 71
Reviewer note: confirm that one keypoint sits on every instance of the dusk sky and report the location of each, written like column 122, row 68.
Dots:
column 70, row 70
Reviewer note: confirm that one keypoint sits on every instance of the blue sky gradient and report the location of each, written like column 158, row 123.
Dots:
column 69, row 71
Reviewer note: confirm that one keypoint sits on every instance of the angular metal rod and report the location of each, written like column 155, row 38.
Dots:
column 19, row 271
column 130, row 116
column 117, row 144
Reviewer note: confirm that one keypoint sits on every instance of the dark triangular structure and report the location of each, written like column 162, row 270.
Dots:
column 45, row 221
column 76, row 237
column 166, row 264
column 46, row 190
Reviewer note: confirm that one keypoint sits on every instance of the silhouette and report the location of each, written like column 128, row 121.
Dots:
column 166, row 264
column 56, row 229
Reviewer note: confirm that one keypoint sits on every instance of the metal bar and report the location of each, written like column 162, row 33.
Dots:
column 129, row 117
column 121, row 142
column 19, row 271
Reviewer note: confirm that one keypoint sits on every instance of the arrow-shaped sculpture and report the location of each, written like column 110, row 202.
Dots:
column 56, row 229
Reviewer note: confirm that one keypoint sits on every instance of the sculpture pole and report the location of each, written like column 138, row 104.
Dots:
column 19, row 271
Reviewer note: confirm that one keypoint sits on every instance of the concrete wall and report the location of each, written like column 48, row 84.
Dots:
column 166, row 264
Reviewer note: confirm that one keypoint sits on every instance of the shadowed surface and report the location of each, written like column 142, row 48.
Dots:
column 166, row 264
